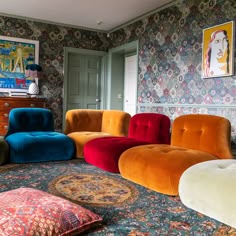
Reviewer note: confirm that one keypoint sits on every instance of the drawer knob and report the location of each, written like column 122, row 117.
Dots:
column 32, row 105
column 5, row 126
column 5, row 114
column 6, row 104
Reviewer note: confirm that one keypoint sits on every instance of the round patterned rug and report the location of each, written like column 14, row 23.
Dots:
column 93, row 189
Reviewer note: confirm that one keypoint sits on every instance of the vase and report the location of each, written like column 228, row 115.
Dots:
column 33, row 89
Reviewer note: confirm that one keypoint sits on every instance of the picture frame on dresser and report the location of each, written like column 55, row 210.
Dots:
column 15, row 55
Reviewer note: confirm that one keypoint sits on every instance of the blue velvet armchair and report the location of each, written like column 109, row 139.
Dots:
column 31, row 137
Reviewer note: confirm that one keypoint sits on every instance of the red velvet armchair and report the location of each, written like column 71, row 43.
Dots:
column 144, row 128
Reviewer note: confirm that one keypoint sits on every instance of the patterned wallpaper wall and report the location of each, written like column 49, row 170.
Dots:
column 52, row 40
column 170, row 52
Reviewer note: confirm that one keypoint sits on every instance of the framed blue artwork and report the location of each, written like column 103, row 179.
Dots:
column 15, row 55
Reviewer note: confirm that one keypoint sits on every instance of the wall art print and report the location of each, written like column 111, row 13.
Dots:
column 15, row 55
column 218, row 51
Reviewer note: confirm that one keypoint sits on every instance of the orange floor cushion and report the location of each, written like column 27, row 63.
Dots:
column 195, row 138
column 159, row 167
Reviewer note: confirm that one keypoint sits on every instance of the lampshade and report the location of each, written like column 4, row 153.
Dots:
column 33, row 70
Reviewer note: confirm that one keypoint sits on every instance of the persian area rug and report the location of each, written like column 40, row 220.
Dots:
column 93, row 189
column 127, row 209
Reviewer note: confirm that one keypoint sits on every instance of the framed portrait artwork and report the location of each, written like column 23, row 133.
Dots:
column 218, row 51
column 15, row 55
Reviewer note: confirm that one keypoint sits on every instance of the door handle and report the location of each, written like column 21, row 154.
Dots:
column 98, row 100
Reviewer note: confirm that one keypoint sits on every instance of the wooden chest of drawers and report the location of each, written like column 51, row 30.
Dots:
column 7, row 103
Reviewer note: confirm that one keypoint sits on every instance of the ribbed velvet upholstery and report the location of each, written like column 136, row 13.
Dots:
column 115, row 122
column 83, row 120
column 207, row 133
column 30, row 119
column 195, row 138
column 31, row 137
column 83, row 125
column 144, row 128
column 150, row 127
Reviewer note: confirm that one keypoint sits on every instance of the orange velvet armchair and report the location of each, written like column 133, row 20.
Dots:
column 195, row 138
column 83, row 125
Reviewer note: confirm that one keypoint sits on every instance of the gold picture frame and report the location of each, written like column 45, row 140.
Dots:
column 218, row 51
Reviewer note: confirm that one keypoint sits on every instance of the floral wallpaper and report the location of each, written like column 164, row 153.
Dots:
column 52, row 40
column 170, row 54
column 170, row 57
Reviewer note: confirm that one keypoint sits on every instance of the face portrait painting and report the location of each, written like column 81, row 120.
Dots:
column 217, row 54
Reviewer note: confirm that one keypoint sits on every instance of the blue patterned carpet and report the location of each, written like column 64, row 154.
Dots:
column 147, row 213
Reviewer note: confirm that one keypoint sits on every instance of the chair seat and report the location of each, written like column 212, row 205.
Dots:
column 105, row 152
column 159, row 166
column 82, row 137
column 209, row 188
column 144, row 128
column 37, row 146
column 83, row 125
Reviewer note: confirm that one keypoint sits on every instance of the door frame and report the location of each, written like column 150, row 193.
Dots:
column 125, row 49
column 127, row 86
column 103, row 55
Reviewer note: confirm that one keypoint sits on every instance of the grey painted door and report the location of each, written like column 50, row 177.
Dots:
column 84, row 81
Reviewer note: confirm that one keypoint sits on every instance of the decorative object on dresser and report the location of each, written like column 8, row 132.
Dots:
column 33, row 71
column 7, row 103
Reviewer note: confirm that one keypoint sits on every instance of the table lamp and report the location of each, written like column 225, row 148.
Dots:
column 33, row 71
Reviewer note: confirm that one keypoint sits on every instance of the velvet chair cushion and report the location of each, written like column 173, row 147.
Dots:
column 213, row 194
column 83, row 125
column 150, row 127
column 159, row 167
column 30, row 119
column 31, row 137
column 78, row 120
column 145, row 128
column 195, row 138
column 105, row 152
column 203, row 132
column 115, row 122
column 39, row 146
column 81, row 138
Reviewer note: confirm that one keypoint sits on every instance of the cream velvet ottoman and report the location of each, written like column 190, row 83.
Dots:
column 210, row 188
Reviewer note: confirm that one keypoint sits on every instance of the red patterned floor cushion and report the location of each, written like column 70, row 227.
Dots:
column 28, row 211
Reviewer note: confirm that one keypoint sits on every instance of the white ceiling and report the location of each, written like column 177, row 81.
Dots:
column 82, row 13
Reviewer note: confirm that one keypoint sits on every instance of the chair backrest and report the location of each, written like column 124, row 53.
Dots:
column 30, row 119
column 115, row 122
column 150, row 127
column 203, row 132
column 77, row 120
